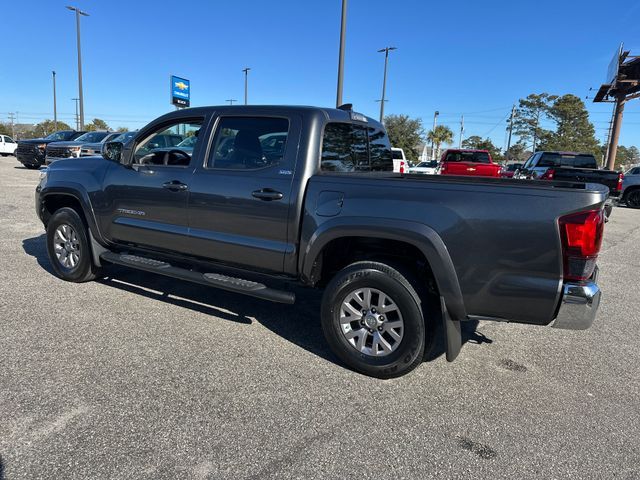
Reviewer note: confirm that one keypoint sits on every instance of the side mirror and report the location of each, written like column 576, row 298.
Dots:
column 112, row 151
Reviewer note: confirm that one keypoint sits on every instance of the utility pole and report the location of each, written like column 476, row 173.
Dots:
column 80, row 95
column 461, row 131
column 55, row 111
column 246, row 83
column 608, row 143
column 343, row 34
column 231, row 100
column 384, row 79
column 77, row 117
column 435, row 122
column 513, row 113
column 13, row 130
column 615, row 131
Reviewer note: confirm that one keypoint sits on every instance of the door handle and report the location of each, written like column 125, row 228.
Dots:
column 267, row 194
column 175, row 186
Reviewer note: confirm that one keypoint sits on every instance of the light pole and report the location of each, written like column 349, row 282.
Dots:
column 55, row 110
column 231, row 100
column 77, row 119
column 78, row 13
column 246, row 83
column 343, row 33
column 435, row 122
column 384, row 79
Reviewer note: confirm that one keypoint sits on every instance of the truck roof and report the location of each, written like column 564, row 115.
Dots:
column 330, row 114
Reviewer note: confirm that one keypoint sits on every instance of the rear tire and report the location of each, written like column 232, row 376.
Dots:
column 69, row 248
column 383, row 337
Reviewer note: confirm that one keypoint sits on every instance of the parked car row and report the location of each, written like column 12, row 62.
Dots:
column 36, row 152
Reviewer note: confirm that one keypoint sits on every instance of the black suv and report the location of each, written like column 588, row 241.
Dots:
column 31, row 152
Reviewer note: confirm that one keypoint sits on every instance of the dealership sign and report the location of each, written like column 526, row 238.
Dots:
column 180, row 91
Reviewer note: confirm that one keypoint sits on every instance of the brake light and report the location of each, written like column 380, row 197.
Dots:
column 548, row 175
column 620, row 179
column 581, row 235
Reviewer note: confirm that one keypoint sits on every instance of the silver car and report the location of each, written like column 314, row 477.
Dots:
column 631, row 188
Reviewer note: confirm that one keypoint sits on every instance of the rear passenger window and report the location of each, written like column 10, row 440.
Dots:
column 380, row 150
column 249, row 143
column 344, row 148
column 347, row 147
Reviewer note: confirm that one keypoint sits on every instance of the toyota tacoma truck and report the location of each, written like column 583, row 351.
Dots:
column 397, row 256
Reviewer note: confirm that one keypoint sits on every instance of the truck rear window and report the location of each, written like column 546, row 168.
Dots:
column 477, row 157
column 567, row 160
column 348, row 147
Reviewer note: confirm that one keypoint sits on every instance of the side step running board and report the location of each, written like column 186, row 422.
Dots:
column 237, row 285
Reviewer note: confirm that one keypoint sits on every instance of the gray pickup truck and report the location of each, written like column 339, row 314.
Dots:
column 269, row 195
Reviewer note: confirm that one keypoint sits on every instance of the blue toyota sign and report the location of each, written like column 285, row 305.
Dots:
column 180, row 91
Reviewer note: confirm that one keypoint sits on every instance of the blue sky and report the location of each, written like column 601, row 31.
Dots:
column 467, row 57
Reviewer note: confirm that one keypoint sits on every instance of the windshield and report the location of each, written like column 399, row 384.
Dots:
column 60, row 136
column 124, row 137
column 92, row 137
column 477, row 157
column 431, row 164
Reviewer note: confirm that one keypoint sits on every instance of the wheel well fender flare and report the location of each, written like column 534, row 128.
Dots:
column 79, row 194
column 421, row 236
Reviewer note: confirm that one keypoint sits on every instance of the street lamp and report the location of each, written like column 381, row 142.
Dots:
column 384, row 80
column 343, row 33
column 78, row 13
column 77, row 122
column 435, row 123
column 246, row 80
column 55, row 110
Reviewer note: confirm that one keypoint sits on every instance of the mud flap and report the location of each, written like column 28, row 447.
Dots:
column 452, row 333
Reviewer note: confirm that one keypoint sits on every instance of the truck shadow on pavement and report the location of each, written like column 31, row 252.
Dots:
column 299, row 323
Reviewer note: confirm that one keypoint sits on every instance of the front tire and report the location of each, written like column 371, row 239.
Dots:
column 632, row 199
column 372, row 319
column 68, row 247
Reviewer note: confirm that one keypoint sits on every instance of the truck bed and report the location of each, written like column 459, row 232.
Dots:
column 501, row 234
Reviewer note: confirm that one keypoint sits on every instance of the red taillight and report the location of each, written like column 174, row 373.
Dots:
column 581, row 235
column 620, row 179
column 548, row 175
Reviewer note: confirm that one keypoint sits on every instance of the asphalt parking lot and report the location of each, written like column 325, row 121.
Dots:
column 140, row 376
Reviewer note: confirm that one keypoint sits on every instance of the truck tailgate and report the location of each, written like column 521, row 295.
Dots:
column 470, row 168
column 609, row 178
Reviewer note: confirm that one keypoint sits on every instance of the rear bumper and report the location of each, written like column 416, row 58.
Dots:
column 579, row 305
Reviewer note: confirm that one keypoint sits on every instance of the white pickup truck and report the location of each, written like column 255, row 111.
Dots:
column 7, row 145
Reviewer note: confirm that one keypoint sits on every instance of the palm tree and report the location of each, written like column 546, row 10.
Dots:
column 439, row 135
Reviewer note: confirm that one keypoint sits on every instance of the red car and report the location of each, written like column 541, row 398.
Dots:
column 468, row 162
